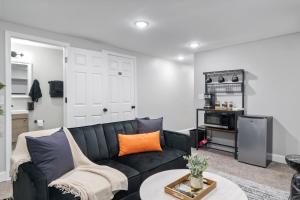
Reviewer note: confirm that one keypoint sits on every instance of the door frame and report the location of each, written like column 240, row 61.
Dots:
column 7, row 98
column 107, row 53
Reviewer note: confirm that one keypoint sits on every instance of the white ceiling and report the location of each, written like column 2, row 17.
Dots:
column 173, row 23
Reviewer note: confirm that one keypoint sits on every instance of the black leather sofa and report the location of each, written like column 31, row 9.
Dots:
column 99, row 143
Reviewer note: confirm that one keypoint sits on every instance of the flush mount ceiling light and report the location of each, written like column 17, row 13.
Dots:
column 180, row 58
column 194, row 45
column 141, row 24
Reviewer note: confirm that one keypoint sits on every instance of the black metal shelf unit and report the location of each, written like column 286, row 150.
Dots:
column 227, row 87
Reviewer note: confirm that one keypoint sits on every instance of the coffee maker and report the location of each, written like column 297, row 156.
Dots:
column 209, row 100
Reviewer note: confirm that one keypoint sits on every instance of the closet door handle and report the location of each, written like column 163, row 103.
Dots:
column 132, row 107
column 105, row 109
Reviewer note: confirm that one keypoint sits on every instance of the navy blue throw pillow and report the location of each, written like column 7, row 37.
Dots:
column 51, row 154
column 151, row 125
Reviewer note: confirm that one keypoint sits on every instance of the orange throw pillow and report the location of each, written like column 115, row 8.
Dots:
column 137, row 143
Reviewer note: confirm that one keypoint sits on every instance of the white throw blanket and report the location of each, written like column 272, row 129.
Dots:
column 87, row 180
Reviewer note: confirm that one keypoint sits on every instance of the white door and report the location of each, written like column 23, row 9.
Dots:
column 86, row 87
column 121, row 84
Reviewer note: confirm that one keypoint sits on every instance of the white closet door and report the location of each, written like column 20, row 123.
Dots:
column 121, row 94
column 86, row 87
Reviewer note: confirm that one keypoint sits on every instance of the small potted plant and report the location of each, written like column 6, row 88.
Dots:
column 1, row 87
column 197, row 165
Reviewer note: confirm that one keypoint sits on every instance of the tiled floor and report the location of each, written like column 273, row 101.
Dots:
column 276, row 175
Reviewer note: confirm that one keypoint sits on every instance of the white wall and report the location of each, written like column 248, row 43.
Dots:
column 172, row 121
column 47, row 65
column 166, row 89
column 272, row 88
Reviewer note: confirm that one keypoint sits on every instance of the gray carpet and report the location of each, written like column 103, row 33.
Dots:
column 276, row 175
column 255, row 191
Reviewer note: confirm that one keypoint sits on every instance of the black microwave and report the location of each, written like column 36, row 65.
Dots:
column 220, row 120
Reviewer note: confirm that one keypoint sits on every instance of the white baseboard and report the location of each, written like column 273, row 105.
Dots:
column 277, row 158
column 3, row 176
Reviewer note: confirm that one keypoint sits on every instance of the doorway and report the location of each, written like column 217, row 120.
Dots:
column 36, row 86
column 34, row 98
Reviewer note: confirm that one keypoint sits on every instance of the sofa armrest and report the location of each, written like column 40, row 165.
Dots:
column 31, row 183
column 178, row 141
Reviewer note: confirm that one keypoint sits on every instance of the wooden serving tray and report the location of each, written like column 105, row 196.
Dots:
column 174, row 188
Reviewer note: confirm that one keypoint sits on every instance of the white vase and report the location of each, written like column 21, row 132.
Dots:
column 197, row 182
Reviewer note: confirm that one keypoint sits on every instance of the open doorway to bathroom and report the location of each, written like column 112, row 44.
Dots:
column 36, row 86
column 29, row 58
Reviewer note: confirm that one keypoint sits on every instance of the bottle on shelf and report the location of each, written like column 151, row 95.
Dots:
column 217, row 105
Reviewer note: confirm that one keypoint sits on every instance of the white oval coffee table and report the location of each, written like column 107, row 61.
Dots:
column 153, row 187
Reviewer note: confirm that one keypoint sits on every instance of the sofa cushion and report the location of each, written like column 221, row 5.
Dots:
column 92, row 142
column 48, row 152
column 178, row 163
column 112, row 130
column 134, row 182
column 122, row 196
column 57, row 194
column 145, row 162
column 151, row 125
column 130, row 127
column 133, row 175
